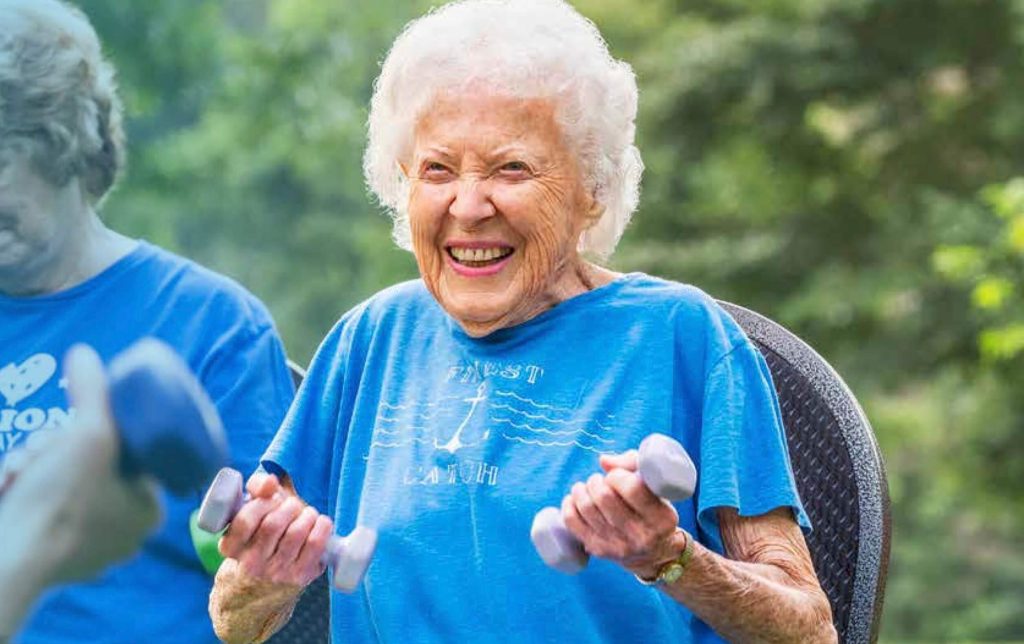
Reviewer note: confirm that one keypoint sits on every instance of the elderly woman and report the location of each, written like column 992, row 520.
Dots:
column 445, row 412
column 65, row 278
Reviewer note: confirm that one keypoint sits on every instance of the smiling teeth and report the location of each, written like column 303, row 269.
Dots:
column 479, row 254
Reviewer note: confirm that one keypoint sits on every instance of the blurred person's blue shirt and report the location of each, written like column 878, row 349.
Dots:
column 227, row 338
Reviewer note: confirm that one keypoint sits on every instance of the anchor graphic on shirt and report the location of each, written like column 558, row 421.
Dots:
column 455, row 443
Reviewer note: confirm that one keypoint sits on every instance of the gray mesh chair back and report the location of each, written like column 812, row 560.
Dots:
column 839, row 474
column 311, row 620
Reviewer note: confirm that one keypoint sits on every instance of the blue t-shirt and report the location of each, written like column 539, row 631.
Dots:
column 228, row 339
column 448, row 445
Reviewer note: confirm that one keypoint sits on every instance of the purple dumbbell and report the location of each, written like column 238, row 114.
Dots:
column 166, row 425
column 349, row 556
column 169, row 428
column 665, row 468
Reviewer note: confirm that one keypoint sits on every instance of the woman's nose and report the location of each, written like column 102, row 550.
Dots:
column 472, row 202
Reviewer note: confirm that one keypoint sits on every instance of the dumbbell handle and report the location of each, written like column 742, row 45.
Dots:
column 663, row 465
column 348, row 556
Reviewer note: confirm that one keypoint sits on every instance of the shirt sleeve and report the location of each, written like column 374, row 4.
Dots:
column 304, row 446
column 744, row 458
column 248, row 379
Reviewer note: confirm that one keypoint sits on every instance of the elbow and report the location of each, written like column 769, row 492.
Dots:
column 825, row 633
column 821, row 630
column 830, row 635
column 813, row 623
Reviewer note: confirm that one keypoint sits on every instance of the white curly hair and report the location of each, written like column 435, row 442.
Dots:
column 523, row 48
column 58, row 96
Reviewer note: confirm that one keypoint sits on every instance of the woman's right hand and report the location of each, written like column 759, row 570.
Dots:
column 273, row 548
column 276, row 537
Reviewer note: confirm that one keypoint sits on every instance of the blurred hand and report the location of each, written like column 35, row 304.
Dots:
column 66, row 512
column 275, row 537
column 616, row 517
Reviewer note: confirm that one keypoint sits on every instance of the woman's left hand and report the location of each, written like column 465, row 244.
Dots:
column 616, row 517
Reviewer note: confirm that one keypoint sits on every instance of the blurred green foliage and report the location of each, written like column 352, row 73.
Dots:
column 852, row 168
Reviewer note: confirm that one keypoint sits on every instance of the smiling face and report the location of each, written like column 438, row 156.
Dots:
column 496, row 208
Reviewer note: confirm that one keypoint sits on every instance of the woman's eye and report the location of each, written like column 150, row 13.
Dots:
column 435, row 170
column 515, row 168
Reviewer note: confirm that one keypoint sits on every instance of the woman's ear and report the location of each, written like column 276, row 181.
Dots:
column 592, row 213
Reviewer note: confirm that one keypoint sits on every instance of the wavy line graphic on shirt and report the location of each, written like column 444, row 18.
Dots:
column 551, row 432
column 402, row 443
column 528, row 441
column 547, row 409
column 454, row 444
column 409, row 416
column 404, row 430
column 559, row 421
column 512, row 394
column 526, row 414
column 388, row 406
column 406, row 427
column 401, row 436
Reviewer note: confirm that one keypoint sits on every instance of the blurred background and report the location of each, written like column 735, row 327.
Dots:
column 852, row 168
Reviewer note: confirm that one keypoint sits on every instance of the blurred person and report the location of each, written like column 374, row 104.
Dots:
column 66, row 278
column 92, row 516
column 445, row 412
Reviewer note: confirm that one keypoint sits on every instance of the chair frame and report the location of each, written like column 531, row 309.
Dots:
column 297, row 373
column 873, row 492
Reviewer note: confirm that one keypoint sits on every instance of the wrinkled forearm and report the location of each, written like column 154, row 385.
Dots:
column 244, row 609
column 752, row 602
column 765, row 591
